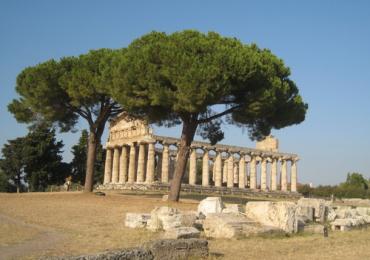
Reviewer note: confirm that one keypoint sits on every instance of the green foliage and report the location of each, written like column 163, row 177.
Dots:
column 188, row 75
column 43, row 162
column 355, row 187
column 5, row 185
column 13, row 162
column 61, row 92
column 78, row 163
column 356, row 180
column 34, row 159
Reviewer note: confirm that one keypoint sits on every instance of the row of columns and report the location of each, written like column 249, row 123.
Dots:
column 124, row 165
column 121, row 166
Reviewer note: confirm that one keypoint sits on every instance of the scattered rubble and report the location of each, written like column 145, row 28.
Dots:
column 219, row 220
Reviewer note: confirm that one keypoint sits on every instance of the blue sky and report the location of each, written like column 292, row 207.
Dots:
column 325, row 43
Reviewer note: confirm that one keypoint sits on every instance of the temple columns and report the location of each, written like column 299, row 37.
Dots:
column 230, row 171
column 242, row 172
column 150, row 164
column 108, row 167
column 253, row 173
column 224, row 171
column 193, row 167
column 218, row 170
column 141, row 163
column 263, row 174
column 132, row 164
column 274, row 174
column 205, row 169
column 293, row 176
column 236, row 173
column 284, row 186
column 115, row 170
column 165, row 163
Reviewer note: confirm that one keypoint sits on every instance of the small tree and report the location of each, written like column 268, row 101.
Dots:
column 197, row 79
column 356, row 180
column 42, row 158
column 13, row 162
column 34, row 160
column 63, row 91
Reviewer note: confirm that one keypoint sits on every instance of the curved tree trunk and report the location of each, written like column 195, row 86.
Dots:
column 187, row 136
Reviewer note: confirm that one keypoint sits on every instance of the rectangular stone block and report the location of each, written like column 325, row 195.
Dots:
column 136, row 220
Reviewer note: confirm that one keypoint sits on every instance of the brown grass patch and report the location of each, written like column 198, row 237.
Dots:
column 91, row 223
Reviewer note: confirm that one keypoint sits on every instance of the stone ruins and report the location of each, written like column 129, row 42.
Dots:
column 136, row 156
column 216, row 219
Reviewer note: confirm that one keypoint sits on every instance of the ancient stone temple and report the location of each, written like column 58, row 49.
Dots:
column 136, row 156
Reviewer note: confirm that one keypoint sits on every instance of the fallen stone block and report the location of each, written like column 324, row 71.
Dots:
column 363, row 211
column 346, row 212
column 319, row 206
column 182, row 232
column 357, row 221
column 167, row 249
column 232, row 208
column 170, row 221
column 341, row 224
column 164, row 218
column 210, row 205
column 281, row 215
column 225, row 225
column 305, row 213
column 136, row 220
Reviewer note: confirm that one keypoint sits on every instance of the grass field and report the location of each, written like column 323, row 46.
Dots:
column 37, row 224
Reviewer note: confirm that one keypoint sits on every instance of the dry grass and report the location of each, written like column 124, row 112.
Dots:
column 89, row 223
column 11, row 233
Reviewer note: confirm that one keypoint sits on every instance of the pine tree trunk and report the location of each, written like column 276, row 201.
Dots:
column 92, row 144
column 187, row 135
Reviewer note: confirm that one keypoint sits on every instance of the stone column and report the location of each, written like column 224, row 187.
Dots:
column 165, row 164
column 263, row 174
column 141, row 163
column 218, row 170
column 253, row 173
column 132, row 164
column 230, row 171
column 205, row 168
column 236, row 173
column 293, row 176
column 284, row 186
column 274, row 174
column 150, row 164
column 213, row 170
column 108, row 167
column 224, row 171
column 115, row 170
column 123, row 165
column 242, row 172
column 193, row 167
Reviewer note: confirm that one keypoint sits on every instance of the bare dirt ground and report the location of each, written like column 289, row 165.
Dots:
column 38, row 224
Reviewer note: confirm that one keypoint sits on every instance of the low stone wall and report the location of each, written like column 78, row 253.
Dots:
column 202, row 190
column 165, row 249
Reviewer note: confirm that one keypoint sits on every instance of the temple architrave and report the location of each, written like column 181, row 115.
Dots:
column 134, row 155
